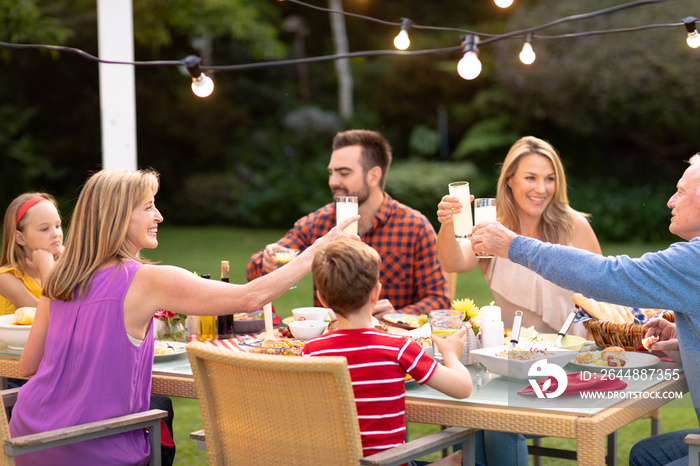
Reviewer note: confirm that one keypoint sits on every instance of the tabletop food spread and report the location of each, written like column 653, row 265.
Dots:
column 627, row 360
column 166, row 349
column 405, row 320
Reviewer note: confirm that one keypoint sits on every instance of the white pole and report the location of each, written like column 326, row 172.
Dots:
column 342, row 67
column 117, row 89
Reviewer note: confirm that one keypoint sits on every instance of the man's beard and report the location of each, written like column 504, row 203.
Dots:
column 362, row 194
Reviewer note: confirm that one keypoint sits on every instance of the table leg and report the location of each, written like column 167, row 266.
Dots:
column 612, row 449
column 590, row 444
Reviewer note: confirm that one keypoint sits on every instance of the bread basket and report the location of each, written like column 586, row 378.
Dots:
column 613, row 325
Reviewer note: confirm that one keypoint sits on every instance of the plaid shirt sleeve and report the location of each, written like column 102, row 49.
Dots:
column 411, row 275
column 431, row 290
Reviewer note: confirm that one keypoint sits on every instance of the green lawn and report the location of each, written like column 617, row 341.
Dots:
column 203, row 249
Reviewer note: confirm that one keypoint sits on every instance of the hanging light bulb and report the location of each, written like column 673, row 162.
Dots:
column 693, row 39
column 402, row 41
column 527, row 54
column 469, row 66
column 202, row 85
column 503, row 3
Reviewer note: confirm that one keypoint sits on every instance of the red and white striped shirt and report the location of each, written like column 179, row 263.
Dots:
column 378, row 363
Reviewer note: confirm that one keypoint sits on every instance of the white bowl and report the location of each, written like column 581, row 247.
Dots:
column 504, row 361
column 569, row 342
column 310, row 313
column 305, row 329
column 14, row 336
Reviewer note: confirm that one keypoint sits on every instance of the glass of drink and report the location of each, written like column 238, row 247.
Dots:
column 207, row 324
column 207, row 328
column 484, row 211
column 284, row 256
column 443, row 323
column 463, row 220
column 346, row 206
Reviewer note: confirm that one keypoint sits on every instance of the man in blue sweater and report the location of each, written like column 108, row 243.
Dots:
column 667, row 279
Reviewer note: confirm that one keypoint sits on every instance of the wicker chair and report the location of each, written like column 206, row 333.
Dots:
column 42, row 441
column 260, row 409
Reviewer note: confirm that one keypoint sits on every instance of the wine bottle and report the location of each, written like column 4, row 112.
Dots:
column 225, row 321
column 207, row 331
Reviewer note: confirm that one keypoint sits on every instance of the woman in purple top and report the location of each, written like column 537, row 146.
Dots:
column 90, row 349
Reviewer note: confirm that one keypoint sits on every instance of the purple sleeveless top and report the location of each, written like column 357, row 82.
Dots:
column 90, row 371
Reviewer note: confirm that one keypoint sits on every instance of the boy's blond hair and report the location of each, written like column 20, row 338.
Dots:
column 345, row 274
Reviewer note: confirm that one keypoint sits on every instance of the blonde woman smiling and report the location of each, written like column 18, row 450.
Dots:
column 531, row 200
column 91, row 356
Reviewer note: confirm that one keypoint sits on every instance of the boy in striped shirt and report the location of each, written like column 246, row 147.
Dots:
column 347, row 280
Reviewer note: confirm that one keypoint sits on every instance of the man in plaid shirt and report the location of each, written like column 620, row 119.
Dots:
column 413, row 281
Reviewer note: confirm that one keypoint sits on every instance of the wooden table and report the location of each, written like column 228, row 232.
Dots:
column 485, row 409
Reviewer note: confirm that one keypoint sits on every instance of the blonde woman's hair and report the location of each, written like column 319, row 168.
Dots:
column 558, row 218
column 98, row 229
column 12, row 253
column 345, row 274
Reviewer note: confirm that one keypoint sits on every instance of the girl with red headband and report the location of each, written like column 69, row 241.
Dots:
column 32, row 240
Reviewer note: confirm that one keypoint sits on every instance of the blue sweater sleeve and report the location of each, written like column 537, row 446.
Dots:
column 666, row 279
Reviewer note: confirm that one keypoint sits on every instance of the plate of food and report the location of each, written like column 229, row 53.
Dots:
column 167, row 349
column 614, row 357
column 407, row 321
column 283, row 346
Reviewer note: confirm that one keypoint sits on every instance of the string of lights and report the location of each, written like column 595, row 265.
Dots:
column 468, row 67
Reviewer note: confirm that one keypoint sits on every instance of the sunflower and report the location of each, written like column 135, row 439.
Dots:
column 467, row 307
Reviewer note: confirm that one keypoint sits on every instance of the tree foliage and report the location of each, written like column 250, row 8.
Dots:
column 618, row 107
column 623, row 100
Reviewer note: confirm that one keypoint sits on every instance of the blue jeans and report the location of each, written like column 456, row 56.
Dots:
column 665, row 449
column 501, row 448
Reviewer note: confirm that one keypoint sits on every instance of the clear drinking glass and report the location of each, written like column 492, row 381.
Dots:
column 484, row 211
column 463, row 220
column 284, row 256
column 346, row 206
column 443, row 323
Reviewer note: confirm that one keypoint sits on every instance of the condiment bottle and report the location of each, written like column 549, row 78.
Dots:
column 207, row 327
column 225, row 329
column 491, row 326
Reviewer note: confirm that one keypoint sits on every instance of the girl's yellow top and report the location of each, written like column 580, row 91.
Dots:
column 6, row 306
